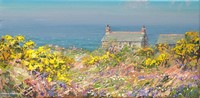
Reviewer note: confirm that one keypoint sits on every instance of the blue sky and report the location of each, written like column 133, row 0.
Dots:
column 115, row 12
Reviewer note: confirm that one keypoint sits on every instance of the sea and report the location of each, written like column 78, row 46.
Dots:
column 85, row 36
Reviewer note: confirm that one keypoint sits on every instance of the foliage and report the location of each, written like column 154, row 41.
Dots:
column 41, row 59
column 186, row 49
column 192, row 37
column 105, row 58
column 149, row 62
column 162, row 48
column 146, row 52
column 123, row 54
column 10, row 80
column 110, row 81
column 9, row 46
column 163, row 58
column 91, row 60
column 185, row 91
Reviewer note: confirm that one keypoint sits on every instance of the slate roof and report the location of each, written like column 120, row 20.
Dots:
column 169, row 38
column 124, row 36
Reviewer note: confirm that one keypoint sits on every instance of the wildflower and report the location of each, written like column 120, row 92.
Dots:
column 42, row 94
column 141, row 77
column 150, row 89
column 51, row 93
column 129, row 93
column 196, row 78
column 189, row 85
column 181, row 78
column 181, row 87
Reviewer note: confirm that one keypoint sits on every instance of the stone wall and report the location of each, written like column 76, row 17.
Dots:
column 120, row 45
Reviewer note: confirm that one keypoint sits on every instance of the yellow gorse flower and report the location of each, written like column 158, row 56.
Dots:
column 91, row 60
column 7, row 37
column 20, row 38
column 41, row 59
column 29, row 44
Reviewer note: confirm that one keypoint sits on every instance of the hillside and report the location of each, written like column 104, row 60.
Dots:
column 47, row 71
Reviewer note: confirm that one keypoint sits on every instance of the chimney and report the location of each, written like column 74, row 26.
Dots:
column 108, row 30
column 143, row 30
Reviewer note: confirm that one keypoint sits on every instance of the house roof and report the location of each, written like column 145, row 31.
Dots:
column 169, row 38
column 124, row 36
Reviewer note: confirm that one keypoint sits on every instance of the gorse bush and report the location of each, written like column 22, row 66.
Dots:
column 146, row 52
column 154, row 62
column 187, row 50
column 91, row 60
column 107, row 58
column 24, row 65
column 41, row 59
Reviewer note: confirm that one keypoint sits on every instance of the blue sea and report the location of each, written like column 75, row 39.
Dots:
column 84, row 36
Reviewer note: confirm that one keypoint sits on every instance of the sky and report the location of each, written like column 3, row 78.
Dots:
column 114, row 12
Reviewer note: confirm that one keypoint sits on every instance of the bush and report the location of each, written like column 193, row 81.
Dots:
column 41, row 59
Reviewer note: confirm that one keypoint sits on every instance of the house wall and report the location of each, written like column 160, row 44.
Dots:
column 137, row 44
column 120, row 45
column 104, row 44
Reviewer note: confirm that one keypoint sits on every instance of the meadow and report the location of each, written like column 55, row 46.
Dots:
column 27, row 70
